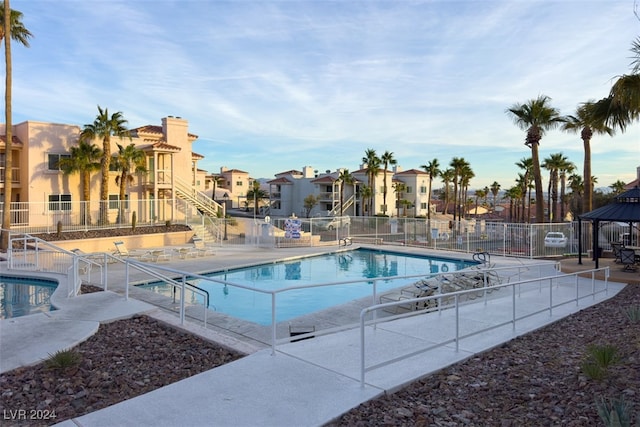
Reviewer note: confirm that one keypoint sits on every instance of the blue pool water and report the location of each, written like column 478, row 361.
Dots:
column 335, row 267
column 23, row 296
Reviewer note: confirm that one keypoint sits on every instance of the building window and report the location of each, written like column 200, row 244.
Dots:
column 423, row 190
column 239, row 183
column 60, row 202
column 53, row 161
column 423, row 205
column 114, row 201
column 409, row 190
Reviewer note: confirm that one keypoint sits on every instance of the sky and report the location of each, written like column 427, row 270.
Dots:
column 270, row 86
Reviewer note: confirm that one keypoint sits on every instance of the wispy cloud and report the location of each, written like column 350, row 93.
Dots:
column 275, row 85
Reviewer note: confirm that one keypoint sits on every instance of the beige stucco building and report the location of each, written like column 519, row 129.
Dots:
column 42, row 193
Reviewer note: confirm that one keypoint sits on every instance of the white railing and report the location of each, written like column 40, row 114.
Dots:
column 457, row 336
column 184, row 286
column 29, row 253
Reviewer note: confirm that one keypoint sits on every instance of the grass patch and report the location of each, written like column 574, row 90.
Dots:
column 63, row 360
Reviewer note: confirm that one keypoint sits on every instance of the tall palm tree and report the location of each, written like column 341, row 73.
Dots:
column 457, row 164
column 536, row 117
column 104, row 127
column 587, row 123
column 466, row 174
column 372, row 162
column 622, row 106
column 566, row 169
column 513, row 194
column 447, row 177
column 18, row 32
column 495, row 189
column 526, row 164
column 433, row 169
column 345, row 178
column 386, row 159
column 84, row 159
column 129, row 161
column 553, row 164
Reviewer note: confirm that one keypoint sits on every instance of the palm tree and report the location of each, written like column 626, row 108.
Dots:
column 18, row 32
column 495, row 189
column 466, row 174
column 587, row 123
column 565, row 169
column 457, row 164
column 536, row 117
column 365, row 195
column 433, row 169
column 576, row 185
column 386, row 159
column 513, row 194
column 256, row 194
column 553, row 164
column 399, row 188
column 129, row 161
column 345, row 178
column 526, row 164
column 104, row 127
column 622, row 106
column 447, row 177
column 372, row 163
column 84, row 159
column 617, row 187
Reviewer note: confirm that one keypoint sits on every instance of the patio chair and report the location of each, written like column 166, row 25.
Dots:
column 122, row 251
column 616, row 248
column 628, row 259
column 201, row 248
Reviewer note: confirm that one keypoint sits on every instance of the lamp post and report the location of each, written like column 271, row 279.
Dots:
column 225, row 197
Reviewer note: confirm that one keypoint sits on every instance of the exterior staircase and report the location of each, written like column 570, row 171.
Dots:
column 347, row 204
column 198, row 199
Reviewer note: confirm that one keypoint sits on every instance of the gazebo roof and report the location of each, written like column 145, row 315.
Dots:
column 625, row 208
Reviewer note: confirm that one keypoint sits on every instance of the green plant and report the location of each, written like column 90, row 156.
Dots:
column 59, row 228
column 63, row 359
column 614, row 412
column 599, row 358
column 603, row 355
column 633, row 313
column 592, row 370
column 134, row 220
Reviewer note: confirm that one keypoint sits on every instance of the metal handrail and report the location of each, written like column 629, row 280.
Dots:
column 456, row 295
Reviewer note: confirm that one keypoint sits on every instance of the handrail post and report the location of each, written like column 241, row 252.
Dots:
column 362, row 314
column 273, row 323
column 456, row 300
column 182, row 298
column 126, row 281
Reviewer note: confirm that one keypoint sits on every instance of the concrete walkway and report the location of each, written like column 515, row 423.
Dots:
column 310, row 382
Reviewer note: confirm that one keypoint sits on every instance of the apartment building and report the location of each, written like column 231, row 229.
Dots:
column 36, row 176
column 290, row 188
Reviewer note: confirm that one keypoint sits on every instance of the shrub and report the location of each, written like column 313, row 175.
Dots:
column 63, row 359
column 598, row 359
column 632, row 313
column 614, row 412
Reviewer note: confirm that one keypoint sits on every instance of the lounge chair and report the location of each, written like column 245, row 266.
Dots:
column 628, row 259
column 122, row 251
column 201, row 248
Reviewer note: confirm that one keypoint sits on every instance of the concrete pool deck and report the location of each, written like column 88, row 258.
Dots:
column 306, row 383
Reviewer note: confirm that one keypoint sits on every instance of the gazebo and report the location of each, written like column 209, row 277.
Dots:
column 624, row 208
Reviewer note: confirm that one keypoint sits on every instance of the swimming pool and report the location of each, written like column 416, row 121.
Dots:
column 22, row 296
column 333, row 267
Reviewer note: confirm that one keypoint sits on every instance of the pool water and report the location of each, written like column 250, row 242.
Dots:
column 22, row 296
column 335, row 267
